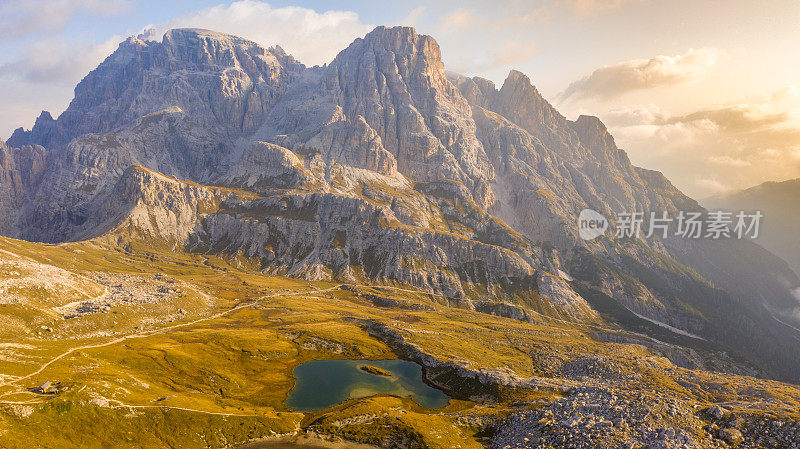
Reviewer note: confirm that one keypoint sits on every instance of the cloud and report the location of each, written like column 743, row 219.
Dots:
column 21, row 18
column 594, row 7
column 312, row 37
column 414, row 16
column 786, row 93
column 513, row 52
column 729, row 161
column 57, row 60
column 460, row 18
column 725, row 147
column 615, row 80
column 711, row 186
column 741, row 118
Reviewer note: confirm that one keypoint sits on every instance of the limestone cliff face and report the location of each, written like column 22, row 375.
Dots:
column 20, row 173
column 156, row 207
column 223, row 82
column 90, row 166
column 382, row 167
column 390, row 84
column 395, row 79
column 327, row 236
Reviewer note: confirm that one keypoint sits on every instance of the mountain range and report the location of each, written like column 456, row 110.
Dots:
column 779, row 203
column 381, row 166
column 384, row 180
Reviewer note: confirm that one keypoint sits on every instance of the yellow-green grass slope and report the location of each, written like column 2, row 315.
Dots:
column 210, row 364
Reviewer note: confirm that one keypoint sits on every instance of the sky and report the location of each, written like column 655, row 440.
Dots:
column 705, row 91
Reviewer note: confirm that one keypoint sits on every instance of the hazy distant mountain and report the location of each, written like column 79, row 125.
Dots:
column 780, row 204
column 382, row 167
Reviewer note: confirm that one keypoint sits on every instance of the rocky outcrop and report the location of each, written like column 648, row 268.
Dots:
column 330, row 236
column 595, row 417
column 479, row 385
column 64, row 204
column 267, row 167
column 156, row 207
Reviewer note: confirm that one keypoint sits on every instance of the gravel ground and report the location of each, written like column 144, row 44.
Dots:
column 592, row 417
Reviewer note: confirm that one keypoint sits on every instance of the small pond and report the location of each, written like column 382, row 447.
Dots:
column 325, row 383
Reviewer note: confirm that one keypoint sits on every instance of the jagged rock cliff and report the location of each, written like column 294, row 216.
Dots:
column 379, row 167
column 223, row 82
column 20, row 172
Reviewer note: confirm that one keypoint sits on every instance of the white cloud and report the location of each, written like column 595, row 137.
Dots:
column 594, row 7
column 712, row 186
column 714, row 149
column 785, row 93
column 460, row 18
column 414, row 16
column 513, row 52
column 615, row 80
column 312, row 37
column 634, row 115
column 58, row 60
column 729, row 161
column 19, row 18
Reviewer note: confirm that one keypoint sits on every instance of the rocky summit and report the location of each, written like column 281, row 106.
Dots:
column 416, row 195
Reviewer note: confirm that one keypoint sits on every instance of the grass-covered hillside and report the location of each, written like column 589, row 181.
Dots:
column 155, row 348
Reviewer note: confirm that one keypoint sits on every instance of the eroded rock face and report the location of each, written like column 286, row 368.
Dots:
column 326, row 236
column 391, row 84
column 157, row 207
column 89, row 167
column 20, row 173
column 223, row 82
column 267, row 167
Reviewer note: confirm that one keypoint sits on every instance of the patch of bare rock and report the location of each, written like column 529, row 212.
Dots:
column 596, row 417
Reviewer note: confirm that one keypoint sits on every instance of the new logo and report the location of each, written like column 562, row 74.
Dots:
column 591, row 224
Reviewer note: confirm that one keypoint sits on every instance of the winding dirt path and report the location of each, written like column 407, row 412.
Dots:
column 162, row 330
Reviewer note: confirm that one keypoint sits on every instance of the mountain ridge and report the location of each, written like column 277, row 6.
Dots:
column 777, row 200
column 380, row 166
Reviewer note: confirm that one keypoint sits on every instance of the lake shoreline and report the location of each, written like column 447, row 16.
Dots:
column 322, row 384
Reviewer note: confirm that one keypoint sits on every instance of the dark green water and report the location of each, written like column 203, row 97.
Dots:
column 325, row 383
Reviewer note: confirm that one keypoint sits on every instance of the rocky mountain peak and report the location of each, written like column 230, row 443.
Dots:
column 403, row 40
column 44, row 125
column 395, row 79
column 476, row 90
column 44, row 117
column 595, row 137
column 519, row 101
column 519, row 81
column 199, row 46
column 415, row 57
column 223, row 82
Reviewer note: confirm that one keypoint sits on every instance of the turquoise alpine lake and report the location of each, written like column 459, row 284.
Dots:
column 324, row 383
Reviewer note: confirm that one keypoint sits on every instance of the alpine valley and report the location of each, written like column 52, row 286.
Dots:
column 208, row 214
